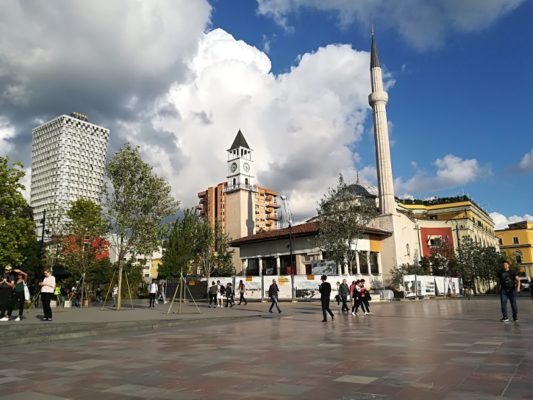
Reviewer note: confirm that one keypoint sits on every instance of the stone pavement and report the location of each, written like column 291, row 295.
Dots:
column 432, row 349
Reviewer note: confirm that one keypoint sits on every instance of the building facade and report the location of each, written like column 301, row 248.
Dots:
column 449, row 220
column 269, row 253
column 68, row 163
column 516, row 241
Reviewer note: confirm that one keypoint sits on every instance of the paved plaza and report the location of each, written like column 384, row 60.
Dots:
column 431, row 349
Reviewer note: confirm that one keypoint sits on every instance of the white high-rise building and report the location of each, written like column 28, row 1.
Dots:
column 68, row 162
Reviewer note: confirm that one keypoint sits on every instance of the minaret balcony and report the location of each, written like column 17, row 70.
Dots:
column 376, row 97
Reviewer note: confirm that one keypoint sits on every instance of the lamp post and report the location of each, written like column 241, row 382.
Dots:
column 41, row 248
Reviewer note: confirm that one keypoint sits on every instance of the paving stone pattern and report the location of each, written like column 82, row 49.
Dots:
column 432, row 349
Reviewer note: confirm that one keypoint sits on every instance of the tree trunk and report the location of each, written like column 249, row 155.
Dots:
column 119, row 294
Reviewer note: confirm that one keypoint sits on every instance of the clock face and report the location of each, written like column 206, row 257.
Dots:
column 246, row 167
column 233, row 167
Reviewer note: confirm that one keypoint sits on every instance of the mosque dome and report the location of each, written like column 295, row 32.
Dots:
column 363, row 190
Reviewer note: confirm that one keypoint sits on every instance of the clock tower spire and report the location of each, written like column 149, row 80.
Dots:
column 240, row 165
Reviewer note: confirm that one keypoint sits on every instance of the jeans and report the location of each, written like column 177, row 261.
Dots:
column 274, row 301
column 511, row 295
column 241, row 299
column 344, row 299
column 18, row 301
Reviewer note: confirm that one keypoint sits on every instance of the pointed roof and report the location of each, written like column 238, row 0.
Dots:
column 374, row 58
column 239, row 141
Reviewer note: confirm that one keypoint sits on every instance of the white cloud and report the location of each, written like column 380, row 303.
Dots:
column 301, row 124
column 452, row 171
column 423, row 24
column 501, row 221
column 526, row 164
column 107, row 59
column 7, row 132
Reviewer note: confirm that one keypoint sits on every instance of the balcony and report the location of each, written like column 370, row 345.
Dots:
column 233, row 188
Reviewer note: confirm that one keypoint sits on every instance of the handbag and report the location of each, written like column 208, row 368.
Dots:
column 27, row 296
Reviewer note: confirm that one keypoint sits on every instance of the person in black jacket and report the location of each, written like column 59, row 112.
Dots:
column 273, row 291
column 325, row 292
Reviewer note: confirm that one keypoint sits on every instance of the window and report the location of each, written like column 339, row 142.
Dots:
column 515, row 240
column 500, row 241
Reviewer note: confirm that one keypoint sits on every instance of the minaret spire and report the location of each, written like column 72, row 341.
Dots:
column 378, row 101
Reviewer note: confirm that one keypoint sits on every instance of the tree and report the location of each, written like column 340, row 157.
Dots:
column 222, row 252
column 182, row 247
column 137, row 203
column 342, row 219
column 83, row 246
column 17, row 228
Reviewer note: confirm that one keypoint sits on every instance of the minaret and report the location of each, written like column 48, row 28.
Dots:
column 378, row 101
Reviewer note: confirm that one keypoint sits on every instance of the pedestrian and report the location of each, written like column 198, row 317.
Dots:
column 273, row 291
column 363, row 298
column 220, row 294
column 47, row 285
column 162, row 291
column 153, row 293
column 509, row 287
column 98, row 294
column 7, row 284
column 114, row 295
column 344, row 290
column 356, row 299
column 213, row 294
column 230, row 297
column 19, row 294
column 242, row 291
column 325, row 293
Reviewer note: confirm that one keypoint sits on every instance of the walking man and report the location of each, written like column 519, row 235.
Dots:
column 343, row 293
column 273, row 291
column 509, row 286
column 213, row 294
column 242, row 291
column 325, row 292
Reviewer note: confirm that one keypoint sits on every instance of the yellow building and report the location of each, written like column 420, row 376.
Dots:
column 461, row 214
column 517, row 243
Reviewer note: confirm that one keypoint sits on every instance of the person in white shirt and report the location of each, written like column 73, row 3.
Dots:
column 47, row 291
column 153, row 293
column 114, row 295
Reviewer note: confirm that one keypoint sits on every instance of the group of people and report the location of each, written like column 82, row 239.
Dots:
column 14, row 293
column 157, row 292
column 218, row 293
column 359, row 296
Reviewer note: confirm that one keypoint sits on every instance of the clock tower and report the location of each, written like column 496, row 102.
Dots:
column 240, row 166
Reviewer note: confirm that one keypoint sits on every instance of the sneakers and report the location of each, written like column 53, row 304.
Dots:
column 504, row 319
column 515, row 319
column 17, row 319
column 4, row 319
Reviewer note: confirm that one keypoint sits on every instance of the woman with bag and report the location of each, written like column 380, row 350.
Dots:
column 20, row 292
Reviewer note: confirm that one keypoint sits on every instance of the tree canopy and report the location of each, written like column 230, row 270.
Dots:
column 342, row 219
column 137, row 203
column 17, row 229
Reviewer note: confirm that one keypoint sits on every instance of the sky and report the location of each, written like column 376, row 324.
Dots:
column 179, row 78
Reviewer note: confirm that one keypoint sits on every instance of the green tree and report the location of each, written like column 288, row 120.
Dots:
column 221, row 252
column 137, row 204
column 182, row 247
column 17, row 228
column 397, row 273
column 342, row 219
column 83, row 244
